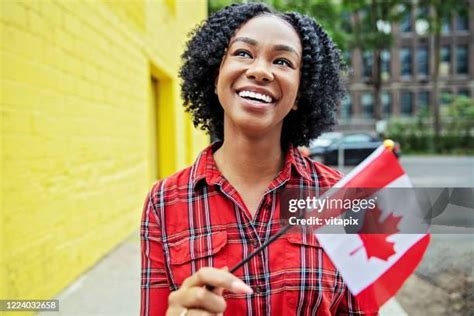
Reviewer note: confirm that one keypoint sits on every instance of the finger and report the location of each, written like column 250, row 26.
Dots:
column 217, row 278
column 220, row 290
column 200, row 297
column 181, row 311
column 177, row 311
column 198, row 312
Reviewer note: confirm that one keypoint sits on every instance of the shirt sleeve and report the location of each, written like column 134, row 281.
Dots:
column 154, row 283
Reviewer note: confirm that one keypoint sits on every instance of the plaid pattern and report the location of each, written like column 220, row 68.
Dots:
column 195, row 219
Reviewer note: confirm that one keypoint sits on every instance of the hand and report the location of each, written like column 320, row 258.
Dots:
column 193, row 298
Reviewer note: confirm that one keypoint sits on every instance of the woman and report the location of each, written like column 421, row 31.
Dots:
column 263, row 83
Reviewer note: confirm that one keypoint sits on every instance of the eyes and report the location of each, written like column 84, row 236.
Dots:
column 278, row 61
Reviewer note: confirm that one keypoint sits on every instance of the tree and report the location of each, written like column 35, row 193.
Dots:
column 326, row 13
column 440, row 10
column 371, row 31
column 215, row 5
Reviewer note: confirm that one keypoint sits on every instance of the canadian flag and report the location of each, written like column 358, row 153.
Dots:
column 375, row 266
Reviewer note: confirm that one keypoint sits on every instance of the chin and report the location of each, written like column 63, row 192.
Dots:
column 254, row 126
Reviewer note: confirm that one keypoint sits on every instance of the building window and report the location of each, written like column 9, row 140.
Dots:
column 446, row 25
column 367, row 101
column 368, row 62
column 445, row 60
column 422, row 13
column 422, row 62
column 406, row 103
column 405, row 22
column 346, row 107
column 405, row 61
column 462, row 22
column 423, row 101
column 386, row 104
column 464, row 92
column 462, row 59
column 385, row 56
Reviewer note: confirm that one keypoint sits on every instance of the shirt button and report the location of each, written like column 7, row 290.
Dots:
column 255, row 243
column 258, row 290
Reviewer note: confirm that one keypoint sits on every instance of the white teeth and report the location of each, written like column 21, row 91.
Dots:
column 254, row 95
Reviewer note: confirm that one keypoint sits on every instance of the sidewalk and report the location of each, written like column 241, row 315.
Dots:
column 112, row 287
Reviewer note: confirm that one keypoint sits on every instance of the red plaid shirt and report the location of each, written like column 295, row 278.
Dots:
column 195, row 218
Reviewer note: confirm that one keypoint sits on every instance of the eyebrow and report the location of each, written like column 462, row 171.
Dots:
column 251, row 41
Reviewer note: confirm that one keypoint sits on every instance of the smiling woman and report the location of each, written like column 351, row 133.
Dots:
column 319, row 90
column 262, row 83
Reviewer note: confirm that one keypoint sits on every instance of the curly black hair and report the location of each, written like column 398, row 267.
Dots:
column 320, row 90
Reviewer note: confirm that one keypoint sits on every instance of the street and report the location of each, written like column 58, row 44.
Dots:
column 446, row 272
column 435, row 171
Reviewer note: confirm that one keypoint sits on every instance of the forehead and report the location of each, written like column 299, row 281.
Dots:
column 270, row 29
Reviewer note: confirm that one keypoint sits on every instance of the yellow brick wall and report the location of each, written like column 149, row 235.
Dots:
column 81, row 136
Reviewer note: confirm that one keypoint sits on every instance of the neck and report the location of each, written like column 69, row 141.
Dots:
column 250, row 160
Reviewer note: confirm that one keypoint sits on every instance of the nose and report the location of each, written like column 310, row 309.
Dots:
column 259, row 71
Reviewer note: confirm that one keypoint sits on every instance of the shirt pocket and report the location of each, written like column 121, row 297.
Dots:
column 189, row 253
column 311, row 279
column 302, row 252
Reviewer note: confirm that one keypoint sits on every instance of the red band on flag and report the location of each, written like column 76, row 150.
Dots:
column 378, row 175
column 375, row 295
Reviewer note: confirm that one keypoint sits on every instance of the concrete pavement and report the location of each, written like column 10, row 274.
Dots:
column 111, row 287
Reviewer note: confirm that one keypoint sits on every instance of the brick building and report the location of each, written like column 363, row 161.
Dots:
column 407, row 69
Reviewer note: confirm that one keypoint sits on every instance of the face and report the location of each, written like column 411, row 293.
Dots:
column 259, row 76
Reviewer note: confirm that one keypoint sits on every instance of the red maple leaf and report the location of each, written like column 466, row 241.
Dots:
column 375, row 233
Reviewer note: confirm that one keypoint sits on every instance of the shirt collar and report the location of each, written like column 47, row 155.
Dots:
column 205, row 168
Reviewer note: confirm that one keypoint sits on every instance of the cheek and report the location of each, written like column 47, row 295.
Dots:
column 228, row 72
column 291, row 86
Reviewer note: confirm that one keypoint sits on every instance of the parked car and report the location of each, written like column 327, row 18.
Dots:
column 319, row 145
column 356, row 146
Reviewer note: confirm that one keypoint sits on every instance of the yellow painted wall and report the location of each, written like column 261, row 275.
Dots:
column 77, row 129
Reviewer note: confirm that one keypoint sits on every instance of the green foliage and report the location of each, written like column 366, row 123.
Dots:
column 326, row 12
column 367, row 15
column 442, row 9
column 336, row 18
column 416, row 135
column 215, row 5
column 462, row 107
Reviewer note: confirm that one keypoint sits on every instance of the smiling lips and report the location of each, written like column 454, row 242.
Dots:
column 255, row 96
